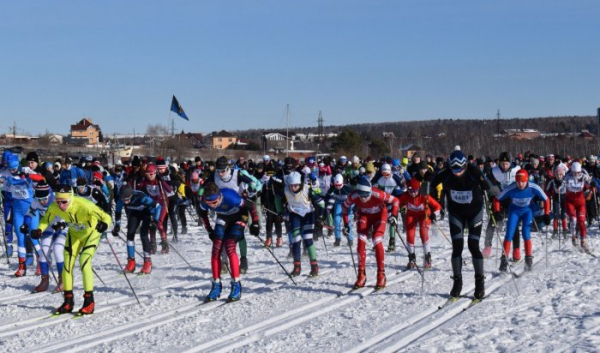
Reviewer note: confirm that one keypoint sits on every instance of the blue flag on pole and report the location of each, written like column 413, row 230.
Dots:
column 176, row 107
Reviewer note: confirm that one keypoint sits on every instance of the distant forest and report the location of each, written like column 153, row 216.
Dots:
column 438, row 137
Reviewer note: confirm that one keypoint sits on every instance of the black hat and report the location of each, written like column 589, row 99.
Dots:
column 504, row 157
column 221, row 163
column 42, row 189
column 126, row 192
column 197, row 159
column 135, row 162
column 423, row 165
column 32, row 156
column 68, row 160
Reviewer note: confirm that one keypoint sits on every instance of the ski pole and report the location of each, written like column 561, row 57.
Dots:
column 406, row 247
column 323, row 237
column 124, row 273
column 97, row 275
column 4, row 238
column 45, row 257
column 177, row 252
column 275, row 257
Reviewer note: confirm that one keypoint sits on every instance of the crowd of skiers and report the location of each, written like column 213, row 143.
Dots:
column 62, row 209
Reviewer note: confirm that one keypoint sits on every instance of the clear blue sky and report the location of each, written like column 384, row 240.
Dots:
column 236, row 64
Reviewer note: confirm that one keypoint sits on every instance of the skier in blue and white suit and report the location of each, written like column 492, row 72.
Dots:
column 22, row 194
column 522, row 195
column 7, row 203
column 335, row 199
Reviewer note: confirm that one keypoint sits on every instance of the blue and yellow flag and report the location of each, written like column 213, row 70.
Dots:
column 176, row 107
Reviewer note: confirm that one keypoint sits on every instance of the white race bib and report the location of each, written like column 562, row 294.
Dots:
column 462, row 197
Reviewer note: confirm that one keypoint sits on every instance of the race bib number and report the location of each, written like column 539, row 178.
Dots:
column 415, row 208
column 20, row 192
column 462, row 197
column 522, row 202
column 153, row 190
column 302, row 211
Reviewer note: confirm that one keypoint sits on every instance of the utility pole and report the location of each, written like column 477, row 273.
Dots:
column 320, row 127
column 287, row 130
column 498, row 122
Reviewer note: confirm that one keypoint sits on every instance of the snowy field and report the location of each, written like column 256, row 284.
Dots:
column 556, row 307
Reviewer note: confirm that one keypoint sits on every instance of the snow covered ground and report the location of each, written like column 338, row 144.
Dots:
column 556, row 307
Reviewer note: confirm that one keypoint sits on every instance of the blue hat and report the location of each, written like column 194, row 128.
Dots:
column 396, row 162
column 364, row 187
column 457, row 161
column 13, row 161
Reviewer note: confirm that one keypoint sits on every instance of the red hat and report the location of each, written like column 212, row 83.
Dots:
column 522, row 175
column 414, row 184
column 151, row 168
column 98, row 175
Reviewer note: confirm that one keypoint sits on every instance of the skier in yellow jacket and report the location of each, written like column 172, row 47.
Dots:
column 86, row 223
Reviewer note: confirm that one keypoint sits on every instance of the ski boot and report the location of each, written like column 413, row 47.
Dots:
column 392, row 245
column 130, row 268
column 297, row 269
column 243, row 265
column 479, row 287
column 183, row 230
column 88, row 304
column 337, row 242
column 380, row 280
column 279, row 242
column 361, row 280
column 236, row 291
column 43, row 286
column 147, row 267
column 574, row 241
column 503, row 264
column 487, row 251
column 528, row 263
column 314, row 269
column 584, row 246
column 59, row 286
column 269, row 242
column 165, row 247
column 22, row 270
column 215, row 291
column 516, row 255
column 428, row 264
column 555, row 234
column 412, row 261
column 67, row 305
column 457, row 286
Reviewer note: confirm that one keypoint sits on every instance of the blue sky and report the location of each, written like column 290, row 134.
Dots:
column 236, row 64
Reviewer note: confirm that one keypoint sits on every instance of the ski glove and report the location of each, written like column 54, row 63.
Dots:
column 36, row 234
column 255, row 229
column 101, row 227
column 24, row 229
column 432, row 217
column 393, row 221
column 346, row 229
column 116, row 230
column 547, row 219
column 59, row 226
column 558, row 182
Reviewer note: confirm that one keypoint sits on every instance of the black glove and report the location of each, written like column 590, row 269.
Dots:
column 152, row 226
column 433, row 217
column 101, row 227
column 255, row 229
column 346, row 229
column 393, row 221
column 212, row 235
column 547, row 219
column 116, row 228
column 36, row 234
column 558, row 182
column 59, row 226
column 24, row 229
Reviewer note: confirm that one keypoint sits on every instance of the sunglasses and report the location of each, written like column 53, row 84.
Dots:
column 43, row 199
column 62, row 202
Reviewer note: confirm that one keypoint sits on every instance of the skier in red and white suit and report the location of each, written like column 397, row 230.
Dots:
column 371, row 207
column 576, row 183
column 421, row 210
